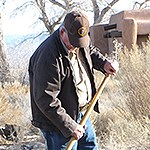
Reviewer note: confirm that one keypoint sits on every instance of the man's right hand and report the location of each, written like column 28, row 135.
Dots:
column 78, row 132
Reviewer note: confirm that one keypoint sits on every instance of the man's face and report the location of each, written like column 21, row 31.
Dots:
column 64, row 36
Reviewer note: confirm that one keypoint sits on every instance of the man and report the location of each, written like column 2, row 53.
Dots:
column 62, row 84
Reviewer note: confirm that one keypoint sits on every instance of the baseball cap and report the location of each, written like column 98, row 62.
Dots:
column 77, row 26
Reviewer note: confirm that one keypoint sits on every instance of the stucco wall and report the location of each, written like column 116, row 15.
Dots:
column 134, row 25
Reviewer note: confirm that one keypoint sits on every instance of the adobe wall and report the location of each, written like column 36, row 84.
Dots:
column 134, row 25
column 97, row 37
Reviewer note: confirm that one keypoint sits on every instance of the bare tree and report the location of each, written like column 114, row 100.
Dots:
column 141, row 5
column 50, row 22
column 4, row 66
column 96, row 10
column 3, row 2
column 99, row 14
column 51, row 13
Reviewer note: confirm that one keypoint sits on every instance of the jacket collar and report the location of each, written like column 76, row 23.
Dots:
column 60, row 45
column 64, row 51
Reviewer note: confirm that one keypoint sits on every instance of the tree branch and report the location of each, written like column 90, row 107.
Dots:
column 105, row 10
column 140, row 5
column 58, row 4
column 96, row 9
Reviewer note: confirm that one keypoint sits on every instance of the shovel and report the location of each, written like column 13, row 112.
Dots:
column 90, row 108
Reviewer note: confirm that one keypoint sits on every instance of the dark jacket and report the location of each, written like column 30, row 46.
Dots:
column 54, row 99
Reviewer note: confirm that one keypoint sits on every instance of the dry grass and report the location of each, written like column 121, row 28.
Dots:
column 15, row 107
column 14, row 104
column 124, row 123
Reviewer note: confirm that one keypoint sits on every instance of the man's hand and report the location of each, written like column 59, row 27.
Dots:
column 111, row 67
column 79, row 131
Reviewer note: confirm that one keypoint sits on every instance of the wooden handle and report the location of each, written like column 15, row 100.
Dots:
column 90, row 108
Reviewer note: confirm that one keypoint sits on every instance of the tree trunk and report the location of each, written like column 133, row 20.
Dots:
column 4, row 65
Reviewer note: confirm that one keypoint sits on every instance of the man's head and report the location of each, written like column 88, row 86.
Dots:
column 76, row 25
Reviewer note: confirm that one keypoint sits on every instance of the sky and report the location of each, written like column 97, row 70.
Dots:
column 17, row 25
column 23, row 23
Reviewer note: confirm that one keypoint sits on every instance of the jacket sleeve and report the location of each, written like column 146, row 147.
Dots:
column 98, row 59
column 47, row 87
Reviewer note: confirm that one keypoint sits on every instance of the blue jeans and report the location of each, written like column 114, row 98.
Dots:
column 56, row 141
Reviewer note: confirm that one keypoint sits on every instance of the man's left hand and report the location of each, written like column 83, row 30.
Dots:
column 111, row 67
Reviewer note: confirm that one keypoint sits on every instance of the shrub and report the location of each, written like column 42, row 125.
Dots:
column 124, row 122
column 15, row 107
